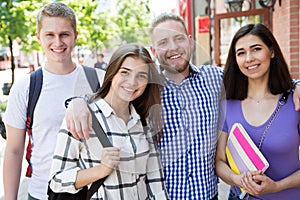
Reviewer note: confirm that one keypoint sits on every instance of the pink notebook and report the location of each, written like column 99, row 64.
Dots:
column 242, row 154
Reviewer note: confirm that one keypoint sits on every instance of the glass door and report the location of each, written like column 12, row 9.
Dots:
column 227, row 24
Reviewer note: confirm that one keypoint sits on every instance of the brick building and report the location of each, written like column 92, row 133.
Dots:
column 213, row 23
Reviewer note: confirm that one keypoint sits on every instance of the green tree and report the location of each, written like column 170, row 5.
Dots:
column 15, row 23
column 133, row 20
column 18, row 22
column 95, row 28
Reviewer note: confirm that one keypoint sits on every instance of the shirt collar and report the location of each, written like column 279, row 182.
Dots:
column 107, row 110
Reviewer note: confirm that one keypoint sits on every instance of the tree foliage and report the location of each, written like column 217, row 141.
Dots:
column 133, row 20
column 97, row 30
column 18, row 22
column 15, row 24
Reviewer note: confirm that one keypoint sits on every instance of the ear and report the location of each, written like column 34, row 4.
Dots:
column 191, row 41
column 272, row 52
column 153, row 51
column 76, row 35
column 38, row 37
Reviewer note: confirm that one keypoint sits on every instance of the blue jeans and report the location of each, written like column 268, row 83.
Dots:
column 215, row 197
column 233, row 196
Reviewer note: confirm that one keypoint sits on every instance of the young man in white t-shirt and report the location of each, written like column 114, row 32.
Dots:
column 62, row 79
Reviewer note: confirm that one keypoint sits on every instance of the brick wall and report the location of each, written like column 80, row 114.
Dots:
column 286, row 30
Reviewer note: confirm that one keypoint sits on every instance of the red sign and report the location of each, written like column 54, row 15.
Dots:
column 203, row 25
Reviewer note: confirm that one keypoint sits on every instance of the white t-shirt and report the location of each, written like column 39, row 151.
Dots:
column 48, row 116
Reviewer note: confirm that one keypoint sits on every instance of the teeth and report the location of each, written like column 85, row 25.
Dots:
column 129, row 90
column 252, row 67
column 174, row 57
column 58, row 51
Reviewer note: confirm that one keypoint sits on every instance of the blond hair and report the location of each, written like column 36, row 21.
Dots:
column 56, row 9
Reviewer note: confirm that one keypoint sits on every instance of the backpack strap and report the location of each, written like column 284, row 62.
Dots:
column 35, row 87
column 92, row 77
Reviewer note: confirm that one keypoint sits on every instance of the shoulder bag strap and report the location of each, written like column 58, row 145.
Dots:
column 281, row 102
column 105, row 143
column 99, row 130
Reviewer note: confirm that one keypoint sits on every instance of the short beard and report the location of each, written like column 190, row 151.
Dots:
column 173, row 70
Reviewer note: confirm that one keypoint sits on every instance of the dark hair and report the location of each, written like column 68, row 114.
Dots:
column 151, row 95
column 101, row 55
column 236, row 83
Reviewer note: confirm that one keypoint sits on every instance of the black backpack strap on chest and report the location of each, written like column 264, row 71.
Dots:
column 35, row 87
column 91, row 75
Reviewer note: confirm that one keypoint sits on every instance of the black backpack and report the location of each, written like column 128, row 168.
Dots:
column 35, row 87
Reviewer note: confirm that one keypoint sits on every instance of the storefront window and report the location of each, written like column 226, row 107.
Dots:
column 228, row 27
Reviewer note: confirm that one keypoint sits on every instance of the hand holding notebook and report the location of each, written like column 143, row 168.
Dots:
column 242, row 154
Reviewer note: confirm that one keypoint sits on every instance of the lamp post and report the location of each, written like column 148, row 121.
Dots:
column 234, row 5
column 268, row 3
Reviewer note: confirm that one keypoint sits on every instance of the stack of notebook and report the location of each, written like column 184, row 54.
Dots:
column 242, row 154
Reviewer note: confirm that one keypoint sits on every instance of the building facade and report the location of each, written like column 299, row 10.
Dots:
column 214, row 22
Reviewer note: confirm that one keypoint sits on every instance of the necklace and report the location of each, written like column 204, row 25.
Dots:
column 257, row 101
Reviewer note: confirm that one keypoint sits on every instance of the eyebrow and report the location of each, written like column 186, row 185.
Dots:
column 125, row 68
column 163, row 39
column 131, row 70
column 252, row 46
column 173, row 36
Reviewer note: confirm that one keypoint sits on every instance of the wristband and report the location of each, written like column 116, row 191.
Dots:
column 294, row 82
column 85, row 97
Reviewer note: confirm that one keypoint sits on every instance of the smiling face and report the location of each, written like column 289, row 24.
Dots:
column 57, row 38
column 130, row 81
column 172, row 46
column 253, row 57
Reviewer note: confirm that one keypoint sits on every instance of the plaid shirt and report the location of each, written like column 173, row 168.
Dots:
column 139, row 174
column 188, row 145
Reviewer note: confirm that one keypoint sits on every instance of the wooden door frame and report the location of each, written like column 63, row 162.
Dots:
column 217, row 18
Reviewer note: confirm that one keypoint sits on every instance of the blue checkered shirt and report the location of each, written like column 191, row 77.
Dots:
column 188, row 145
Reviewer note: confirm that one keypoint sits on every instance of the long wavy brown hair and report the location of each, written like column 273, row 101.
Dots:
column 146, row 105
